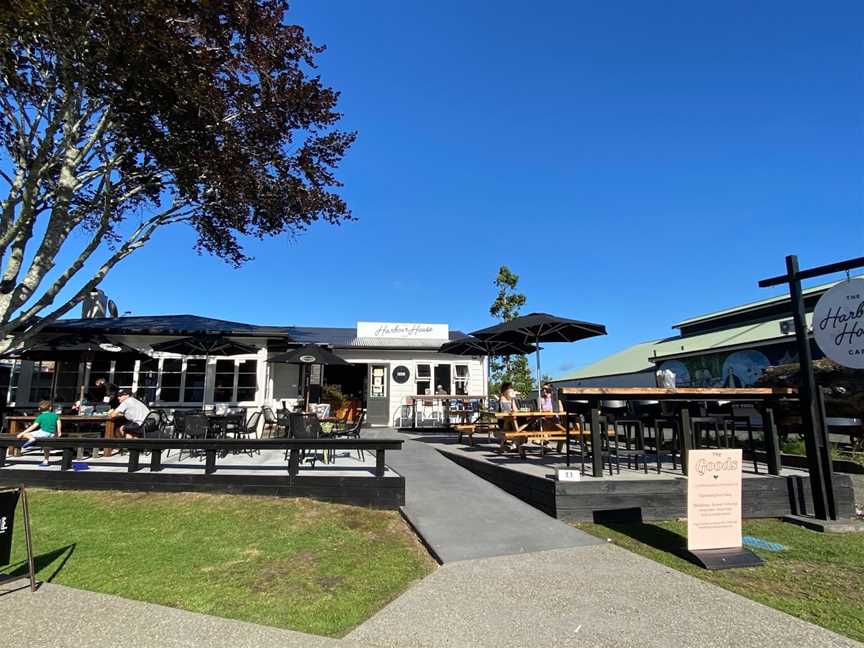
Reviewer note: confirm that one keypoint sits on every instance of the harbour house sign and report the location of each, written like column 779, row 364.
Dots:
column 403, row 331
column 838, row 323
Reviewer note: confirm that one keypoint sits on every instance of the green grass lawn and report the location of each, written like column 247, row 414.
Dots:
column 818, row 578
column 292, row 563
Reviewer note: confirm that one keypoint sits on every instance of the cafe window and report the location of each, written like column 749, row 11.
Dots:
column 247, row 380
column 169, row 390
column 9, row 372
column 41, row 381
column 148, row 379
column 424, row 379
column 236, row 381
column 67, row 381
column 193, row 389
column 460, row 382
column 124, row 373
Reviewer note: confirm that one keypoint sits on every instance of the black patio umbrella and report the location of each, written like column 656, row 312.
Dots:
column 470, row 345
column 308, row 355
column 541, row 327
column 206, row 345
column 74, row 348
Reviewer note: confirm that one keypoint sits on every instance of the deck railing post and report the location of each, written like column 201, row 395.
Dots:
column 379, row 462
column 772, row 441
column 66, row 461
column 294, row 462
column 210, row 461
column 155, row 460
column 134, row 455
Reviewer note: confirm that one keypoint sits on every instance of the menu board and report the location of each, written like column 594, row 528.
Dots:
column 713, row 499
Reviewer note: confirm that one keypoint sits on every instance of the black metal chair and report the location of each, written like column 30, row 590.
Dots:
column 658, row 417
column 618, row 414
column 195, row 427
column 271, row 423
column 304, row 426
column 352, row 431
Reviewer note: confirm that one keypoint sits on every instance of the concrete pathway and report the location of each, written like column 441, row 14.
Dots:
column 63, row 617
column 601, row 596
column 463, row 517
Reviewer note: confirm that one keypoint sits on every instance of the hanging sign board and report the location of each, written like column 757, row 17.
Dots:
column 713, row 499
column 401, row 330
column 8, row 503
column 838, row 323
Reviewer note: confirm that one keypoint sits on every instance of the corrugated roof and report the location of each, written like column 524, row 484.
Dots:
column 743, row 308
column 630, row 360
column 639, row 357
column 336, row 337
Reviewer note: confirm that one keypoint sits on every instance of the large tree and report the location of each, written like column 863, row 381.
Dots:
column 119, row 117
column 513, row 369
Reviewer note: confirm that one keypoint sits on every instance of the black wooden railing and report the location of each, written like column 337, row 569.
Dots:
column 212, row 449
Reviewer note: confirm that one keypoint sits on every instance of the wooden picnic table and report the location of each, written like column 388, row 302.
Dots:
column 522, row 427
column 19, row 423
column 762, row 399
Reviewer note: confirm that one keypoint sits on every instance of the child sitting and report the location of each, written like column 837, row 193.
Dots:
column 46, row 425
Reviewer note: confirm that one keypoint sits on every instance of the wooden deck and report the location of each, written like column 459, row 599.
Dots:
column 632, row 493
column 346, row 480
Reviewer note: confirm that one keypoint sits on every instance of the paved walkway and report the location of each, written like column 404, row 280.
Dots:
column 463, row 517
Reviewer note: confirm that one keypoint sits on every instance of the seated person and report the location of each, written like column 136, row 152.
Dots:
column 133, row 411
column 46, row 426
column 507, row 399
column 546, row 399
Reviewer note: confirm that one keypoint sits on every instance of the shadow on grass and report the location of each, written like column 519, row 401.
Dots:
column 652, row 536
column 44, row 561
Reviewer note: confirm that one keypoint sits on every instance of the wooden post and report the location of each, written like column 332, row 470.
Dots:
column 379, row 462
column 772, row 442
column 596, row 442
column 814, row 435
column 155, row 460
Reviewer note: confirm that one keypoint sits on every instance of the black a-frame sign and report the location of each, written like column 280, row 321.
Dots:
column 9, row 499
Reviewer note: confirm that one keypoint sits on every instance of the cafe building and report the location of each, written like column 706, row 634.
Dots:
column 388, row 362
column 727, row 348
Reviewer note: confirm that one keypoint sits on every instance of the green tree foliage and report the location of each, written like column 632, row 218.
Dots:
column 513, row 369
column 120, row 117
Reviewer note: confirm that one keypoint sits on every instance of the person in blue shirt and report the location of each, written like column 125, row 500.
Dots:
column 46, row 426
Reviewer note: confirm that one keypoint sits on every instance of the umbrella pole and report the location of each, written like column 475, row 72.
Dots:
column 204, row 393
column 539, row 392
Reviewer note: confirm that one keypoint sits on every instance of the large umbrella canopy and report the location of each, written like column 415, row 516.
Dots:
column 470, row 345
column 310, row 354
column 541, row 327
column 68, row 348
column 75, row 348
column 206, row 345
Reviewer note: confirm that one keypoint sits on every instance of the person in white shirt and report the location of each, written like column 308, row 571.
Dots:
column 134, row 411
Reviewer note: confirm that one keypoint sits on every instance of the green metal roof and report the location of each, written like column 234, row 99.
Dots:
column 624, row 362
column 640, row 356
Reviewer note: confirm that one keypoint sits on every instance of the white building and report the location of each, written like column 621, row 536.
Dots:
column 389, row 362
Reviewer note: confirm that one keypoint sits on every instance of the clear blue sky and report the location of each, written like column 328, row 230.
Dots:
column 635, row 163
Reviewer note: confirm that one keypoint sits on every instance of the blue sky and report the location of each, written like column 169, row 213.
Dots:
column 635, row 163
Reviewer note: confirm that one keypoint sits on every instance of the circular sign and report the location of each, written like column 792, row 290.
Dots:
column 401, row 374
column 838, row 323
column 307, row 359
column 113, row 348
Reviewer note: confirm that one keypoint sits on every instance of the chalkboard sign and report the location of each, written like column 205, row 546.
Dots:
column 401, row 374
column 8, row 503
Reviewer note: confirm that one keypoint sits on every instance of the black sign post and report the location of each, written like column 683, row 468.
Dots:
column 8, row 504
column 812, row 408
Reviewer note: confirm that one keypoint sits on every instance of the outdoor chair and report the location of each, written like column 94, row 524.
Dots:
column 352, row 431
column 249, row 430
column 195, row 427
column 271, row 423
column 152, row 426
column 725, row 414
column 658, row 417
column 304, row 426
column 618, row 415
